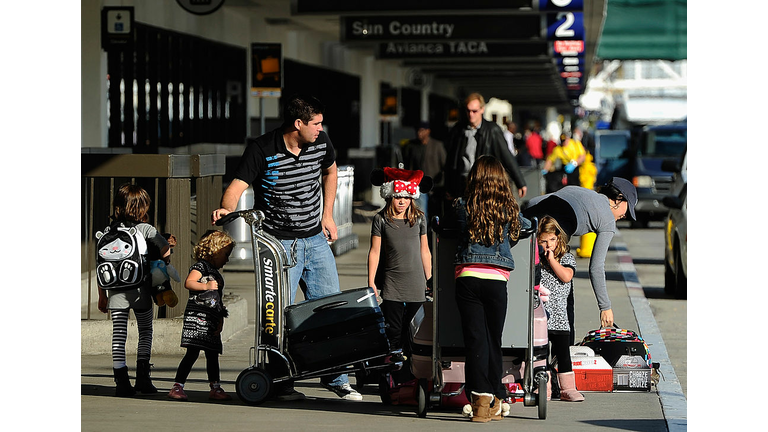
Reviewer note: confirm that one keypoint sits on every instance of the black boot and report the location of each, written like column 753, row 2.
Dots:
column 123, row 388
column 143, row 383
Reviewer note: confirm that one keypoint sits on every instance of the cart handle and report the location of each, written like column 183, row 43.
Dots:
column 249, row 215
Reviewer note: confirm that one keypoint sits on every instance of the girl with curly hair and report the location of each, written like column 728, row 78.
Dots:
column 205, row 313
column 490, row 222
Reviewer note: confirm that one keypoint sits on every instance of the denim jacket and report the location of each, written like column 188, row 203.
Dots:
column 498, row 254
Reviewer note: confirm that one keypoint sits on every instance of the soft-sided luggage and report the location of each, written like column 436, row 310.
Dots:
column 336, row 330
column 612, row 343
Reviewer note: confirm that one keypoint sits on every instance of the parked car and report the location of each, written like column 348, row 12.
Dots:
column 656, row 144
column 612, row 155
column 676, row 234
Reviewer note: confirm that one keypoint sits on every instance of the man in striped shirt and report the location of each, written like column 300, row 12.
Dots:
column 285, row 167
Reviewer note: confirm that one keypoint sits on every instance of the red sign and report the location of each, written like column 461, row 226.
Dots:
column 569, row 46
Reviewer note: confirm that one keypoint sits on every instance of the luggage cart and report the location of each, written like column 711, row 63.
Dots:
column 439, row 356
column 310, row 339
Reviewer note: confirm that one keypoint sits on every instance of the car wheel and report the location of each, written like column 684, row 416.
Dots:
column 670, row 281
column 681, row 280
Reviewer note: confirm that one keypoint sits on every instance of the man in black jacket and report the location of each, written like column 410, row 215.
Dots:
column 474, row 137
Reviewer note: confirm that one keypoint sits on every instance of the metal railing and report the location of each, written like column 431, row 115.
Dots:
column 181, row 187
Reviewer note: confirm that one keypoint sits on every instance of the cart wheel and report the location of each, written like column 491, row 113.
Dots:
column 253, row 386
column 541, row 401
column 422, row 397
column 360, row 378
column 384, row 380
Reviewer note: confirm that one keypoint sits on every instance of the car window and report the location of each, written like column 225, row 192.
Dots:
column 613, row 146
column 664, row 142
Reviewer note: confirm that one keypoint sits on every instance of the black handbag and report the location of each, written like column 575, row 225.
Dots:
column 612, row 343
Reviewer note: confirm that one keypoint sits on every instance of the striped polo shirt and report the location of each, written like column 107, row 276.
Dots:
column 286, row 187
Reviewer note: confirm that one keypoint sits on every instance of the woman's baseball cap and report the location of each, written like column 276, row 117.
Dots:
column 628, row 190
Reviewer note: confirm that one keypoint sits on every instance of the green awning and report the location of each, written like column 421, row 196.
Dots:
column 644, row 30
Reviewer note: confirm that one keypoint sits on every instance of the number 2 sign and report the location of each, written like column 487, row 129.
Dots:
column 565, row 25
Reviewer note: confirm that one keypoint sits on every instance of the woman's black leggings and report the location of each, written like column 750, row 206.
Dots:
column 211, row 365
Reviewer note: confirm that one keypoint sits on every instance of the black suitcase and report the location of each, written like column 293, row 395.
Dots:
column 336, row 330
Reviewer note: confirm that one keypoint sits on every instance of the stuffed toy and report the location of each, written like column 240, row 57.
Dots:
column 162, row 273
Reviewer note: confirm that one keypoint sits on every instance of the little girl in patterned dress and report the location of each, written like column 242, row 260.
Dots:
column 557, row 269
column 205, row 313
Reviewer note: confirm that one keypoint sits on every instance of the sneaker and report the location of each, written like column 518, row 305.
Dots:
column 345, row 391
column 291, row 395
column 177, row 392
column 218, row 394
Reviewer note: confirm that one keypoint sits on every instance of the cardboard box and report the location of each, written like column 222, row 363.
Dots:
column 592, row 373
column 631, row 373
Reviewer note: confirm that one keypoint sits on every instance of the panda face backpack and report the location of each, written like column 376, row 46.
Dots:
column 120, row 257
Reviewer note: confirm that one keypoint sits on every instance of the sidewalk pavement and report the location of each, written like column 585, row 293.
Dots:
column 661, row 409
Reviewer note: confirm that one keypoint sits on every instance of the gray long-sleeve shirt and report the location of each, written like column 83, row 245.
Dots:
column 579, row 211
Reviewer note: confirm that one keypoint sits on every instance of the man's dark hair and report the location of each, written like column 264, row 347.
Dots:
column 301, row 107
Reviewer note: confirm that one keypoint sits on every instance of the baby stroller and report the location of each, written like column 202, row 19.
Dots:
column 340, row 333
column 438, row 347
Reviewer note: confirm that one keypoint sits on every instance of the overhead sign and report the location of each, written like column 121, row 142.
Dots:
column 116, row 27
column 340, row 7
column 266, row 69
column 565, row 25
column 460, row 49
column 560, row 5
column 568, row 47
column 440, row 27
column 200, row 7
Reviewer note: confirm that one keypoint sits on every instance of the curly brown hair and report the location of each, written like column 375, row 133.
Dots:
column 211, row 243
column 490, row 203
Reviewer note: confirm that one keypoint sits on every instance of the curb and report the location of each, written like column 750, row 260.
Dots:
column 96, row 335
column 673, row 402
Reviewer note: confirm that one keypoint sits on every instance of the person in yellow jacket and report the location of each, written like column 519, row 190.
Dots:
column 588, row 172
column 562, row 165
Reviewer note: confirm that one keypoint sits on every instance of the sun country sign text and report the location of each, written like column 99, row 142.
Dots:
column 397, row 28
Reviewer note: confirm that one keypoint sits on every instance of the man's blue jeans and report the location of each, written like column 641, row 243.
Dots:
column 316, row 265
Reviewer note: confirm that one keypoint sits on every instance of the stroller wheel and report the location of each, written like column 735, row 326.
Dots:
column 541, row 402
column 422, row 398
column 253, row 386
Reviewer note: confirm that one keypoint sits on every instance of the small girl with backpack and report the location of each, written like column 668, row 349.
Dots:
column 116, row 296
column 205, row 313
